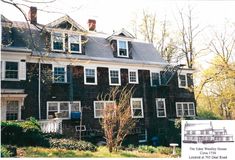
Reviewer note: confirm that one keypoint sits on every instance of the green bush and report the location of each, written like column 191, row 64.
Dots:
column 168, row 150
column 146, row 149
column 8, row 151
column 72, row 144
column 26, row 133
column 164, row 150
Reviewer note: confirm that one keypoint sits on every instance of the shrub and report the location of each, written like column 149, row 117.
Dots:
column 146, row 149
column 27, row 133
column 164, row 150
column 8, row 151
column 72, row 144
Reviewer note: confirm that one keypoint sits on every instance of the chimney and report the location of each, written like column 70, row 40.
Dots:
column 92, row 24
column 32, row 15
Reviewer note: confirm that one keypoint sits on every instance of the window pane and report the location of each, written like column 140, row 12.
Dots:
column 12, row 110
column 160, row 104
column 182, row 80
column 114, row 76
column 99, row 105
column 59, row 74
column 122, row 48
column 53, row 107
column 133, row 76
column 155, row 79
column 64, row 106
column 90, row 75
column 58, row 41
column 74, row 47
column 11, row 70
column 75, row 107
column 137, row 112
column 136, row 104
column 186, row 111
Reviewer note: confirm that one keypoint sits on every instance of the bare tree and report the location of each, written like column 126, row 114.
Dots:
column 188, row 34
column 117, row 121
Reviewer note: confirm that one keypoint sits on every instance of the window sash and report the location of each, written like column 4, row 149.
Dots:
column 155, row 79
column 133, row 76
column 90, row 76
column 11, row 70
column 186, row 109
column 75, row 43
column 64, row 107
column 99, row 107
column 161, row 107
column 182, row 78
column 122, row 48
column 12, row 110
column 59, row 74
column 58, row 41
column 114, row 77
column 137, row 108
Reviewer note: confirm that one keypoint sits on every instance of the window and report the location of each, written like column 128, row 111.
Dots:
column 75, row 44
column 60, row 74
column 114, row 77
column 62, row 109
column 58, row 42
column 133, row 77
column 186, row 109
column 11, row 70
column 161, row 107
column 137, row 108
column 99, row 107
column 143, row 136
column 12, row 110
column 90, row 76
column 182, row 79
column 155, row 79
column 123, row 48
column 82, row 128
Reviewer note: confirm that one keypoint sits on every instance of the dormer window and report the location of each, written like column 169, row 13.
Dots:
column 58, row 42
column 122, row 48
column 75, row 44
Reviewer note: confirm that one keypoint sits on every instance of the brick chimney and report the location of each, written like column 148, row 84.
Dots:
column 92, row 24
column 32, row 15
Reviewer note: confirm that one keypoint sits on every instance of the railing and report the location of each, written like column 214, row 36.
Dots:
column 51, row 126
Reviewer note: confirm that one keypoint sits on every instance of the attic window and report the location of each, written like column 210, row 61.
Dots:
column 75, row 44
column 58, row 42
column 122, row 49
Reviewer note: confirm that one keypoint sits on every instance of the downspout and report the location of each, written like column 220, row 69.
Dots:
column 39, row 88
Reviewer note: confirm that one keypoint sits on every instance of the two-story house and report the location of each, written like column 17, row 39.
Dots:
column 57, row 69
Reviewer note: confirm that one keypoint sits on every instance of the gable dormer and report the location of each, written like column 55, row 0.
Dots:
column 66, row 36
column 120, row 43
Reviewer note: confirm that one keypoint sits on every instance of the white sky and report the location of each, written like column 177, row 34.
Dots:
column 116, row 14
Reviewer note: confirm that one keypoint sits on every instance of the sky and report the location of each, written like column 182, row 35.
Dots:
column 116, row 14
column 113, row 15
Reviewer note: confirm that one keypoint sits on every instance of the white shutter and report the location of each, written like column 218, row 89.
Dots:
column 22, row 71
column 2, row 70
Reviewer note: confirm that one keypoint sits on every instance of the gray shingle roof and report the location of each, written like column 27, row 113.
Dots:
column 98, row 48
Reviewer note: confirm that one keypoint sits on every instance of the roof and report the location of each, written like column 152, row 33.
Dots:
column 198, row 126
column 97, row 48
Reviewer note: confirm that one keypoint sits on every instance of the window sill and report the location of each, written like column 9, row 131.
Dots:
column 11, row 79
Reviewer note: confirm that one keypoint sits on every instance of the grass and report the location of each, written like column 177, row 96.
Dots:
column 102, row 152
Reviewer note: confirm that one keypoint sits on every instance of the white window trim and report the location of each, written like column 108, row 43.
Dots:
column 58, row 105
column 119, row 77
column 146, row 137
column 142, row 108
column 95, row 83
column 164, row 102
column 127, row 52
column 65, row 74
column 177, row 114
column 20, row 103
column 186, row 80
column 80, row 44
column 105, row 103
column 137, row 76
column 52, row 40
column 77, row 128
column 159, row 76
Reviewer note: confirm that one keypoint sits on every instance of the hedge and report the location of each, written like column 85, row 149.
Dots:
column 26, row 133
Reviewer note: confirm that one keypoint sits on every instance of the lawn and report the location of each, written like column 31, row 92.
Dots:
column 100, row 153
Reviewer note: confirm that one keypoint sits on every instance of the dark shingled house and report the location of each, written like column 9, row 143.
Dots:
column 76, row 65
